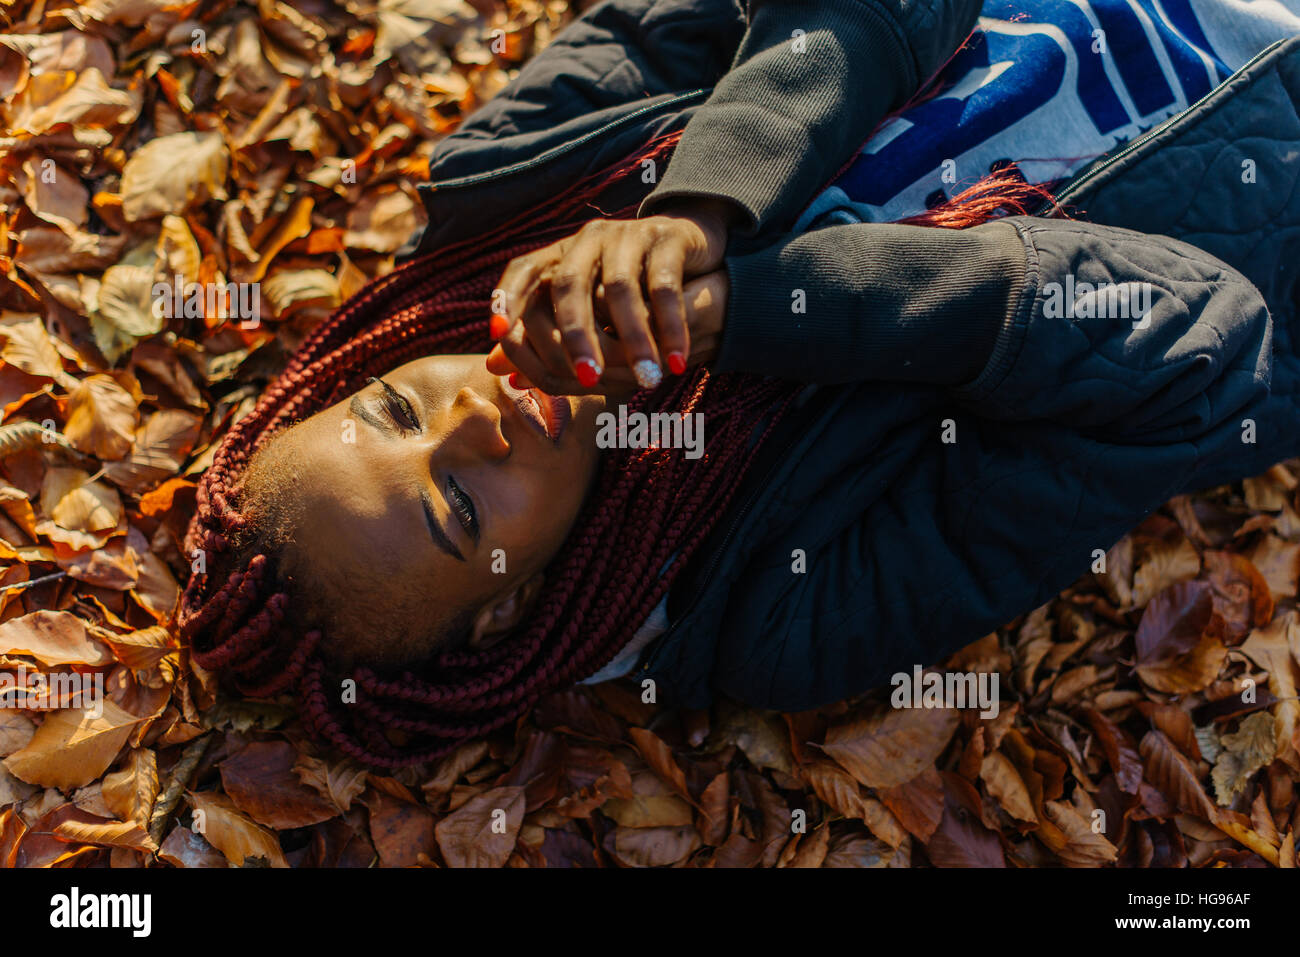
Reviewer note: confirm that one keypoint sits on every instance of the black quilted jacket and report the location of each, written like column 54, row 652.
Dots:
column 968, row 450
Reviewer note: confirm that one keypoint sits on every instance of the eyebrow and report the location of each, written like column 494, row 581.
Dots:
column 358, row 409
column 439, row 536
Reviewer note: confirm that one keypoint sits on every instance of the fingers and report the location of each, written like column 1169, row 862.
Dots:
column 664, row 271
column 535, row 341
column 572, row 281
column 628, row 312
column 526, row 370
column 518, row 286
column 633, row 273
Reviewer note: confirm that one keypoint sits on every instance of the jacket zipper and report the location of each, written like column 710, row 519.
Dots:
column 474, row 179
column 1088, row 175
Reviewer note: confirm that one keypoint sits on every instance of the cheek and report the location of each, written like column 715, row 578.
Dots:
column 544, row 505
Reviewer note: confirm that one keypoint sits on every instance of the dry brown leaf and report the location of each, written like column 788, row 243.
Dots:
column 161, row 444
column 1174, row 775
column 660, row 757
column 52, row 638
column 482, row 831
column 105, row 833
column 1279, row 562
column 961, row 839
column 261, row 781
column 1178, row 640
column 140, row 650
column 893, row 745
column 1245, row 751
column 184, row 848
column 1007, row 787
column 917, row 804
column 1160, row 565
column 242, row 841
column 1085, row 846
column 655, row 846
column 101, row 418
column 130, row 793
column 27, row 346
column 1274, row 648
column 173, row 173
column 72, row 747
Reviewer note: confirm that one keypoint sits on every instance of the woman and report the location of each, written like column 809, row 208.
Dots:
column 912, row 434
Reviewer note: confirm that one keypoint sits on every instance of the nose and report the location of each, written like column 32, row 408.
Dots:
column 477, row 424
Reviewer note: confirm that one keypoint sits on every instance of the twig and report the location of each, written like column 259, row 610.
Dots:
column 35, row 581
column 177, row 782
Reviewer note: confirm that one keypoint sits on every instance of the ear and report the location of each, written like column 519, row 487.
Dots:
column 501, row 615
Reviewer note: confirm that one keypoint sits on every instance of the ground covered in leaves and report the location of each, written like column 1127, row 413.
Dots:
column 1148, row 714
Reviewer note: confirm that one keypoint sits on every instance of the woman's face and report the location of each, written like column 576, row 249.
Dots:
column 431, row 500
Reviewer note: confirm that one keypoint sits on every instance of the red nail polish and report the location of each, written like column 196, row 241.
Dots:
column 516, row 380
column 588, row 372
column 676, row 363
column 498, row 326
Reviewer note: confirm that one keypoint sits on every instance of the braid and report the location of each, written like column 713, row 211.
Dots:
column 649, row 511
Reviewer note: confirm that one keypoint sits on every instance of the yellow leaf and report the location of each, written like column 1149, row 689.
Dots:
column 52, row 638
column 131, row 792
column 28, row 347
column 101, row 418
column 74, row 502
column 172, row 173
column 72, row 747
column 233, row 834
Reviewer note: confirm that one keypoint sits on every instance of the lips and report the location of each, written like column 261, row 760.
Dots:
column 546, row 413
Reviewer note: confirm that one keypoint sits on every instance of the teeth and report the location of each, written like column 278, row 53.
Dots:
column 647, row 372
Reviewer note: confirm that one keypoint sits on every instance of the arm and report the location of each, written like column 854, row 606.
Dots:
column 1069, row 431
column 985, row 311
column 809, row 83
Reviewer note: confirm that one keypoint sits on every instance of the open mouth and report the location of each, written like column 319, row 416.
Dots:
column 547, row 413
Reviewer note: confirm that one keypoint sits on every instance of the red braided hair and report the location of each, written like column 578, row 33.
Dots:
column 649, row 508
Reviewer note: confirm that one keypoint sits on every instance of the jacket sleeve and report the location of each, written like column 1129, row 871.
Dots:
column 1021, row 317
column 808, row 84
column 1011, row 485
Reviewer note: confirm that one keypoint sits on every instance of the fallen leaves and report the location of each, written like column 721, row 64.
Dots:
column 135, row 159
column 52, row 638
column 72, row 747
column 243, row 842
column 1244, row 752
column 891, row 746
column 173, row 173
column 1179, row 646
column 101, row 418
column 482, row 831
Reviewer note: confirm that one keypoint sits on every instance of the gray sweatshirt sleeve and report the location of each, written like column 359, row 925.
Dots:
column 808, row 84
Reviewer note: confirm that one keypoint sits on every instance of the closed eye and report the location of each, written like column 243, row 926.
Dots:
column 463, row 507
column 399, row 409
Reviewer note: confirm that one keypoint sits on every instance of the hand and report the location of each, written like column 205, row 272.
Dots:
column 549, row 328
column 705, row 308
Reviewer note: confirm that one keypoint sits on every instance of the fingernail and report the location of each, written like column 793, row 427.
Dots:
column 498, row 326
column 516, row 380
column 647, row 373
column 676, row 363
column 588, row 372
